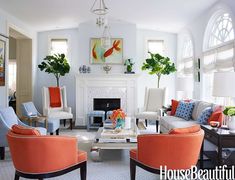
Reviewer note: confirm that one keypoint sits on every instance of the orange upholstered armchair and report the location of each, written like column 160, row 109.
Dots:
column 178, row 150
column 38, row 157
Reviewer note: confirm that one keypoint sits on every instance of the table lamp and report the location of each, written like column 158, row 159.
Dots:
column 184, row 87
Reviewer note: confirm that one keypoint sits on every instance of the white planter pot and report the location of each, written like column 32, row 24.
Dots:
column 231, row 124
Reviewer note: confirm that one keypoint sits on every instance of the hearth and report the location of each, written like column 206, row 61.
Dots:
column 105, row 104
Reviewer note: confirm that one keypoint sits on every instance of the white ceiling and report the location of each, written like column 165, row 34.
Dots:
column 163, row 15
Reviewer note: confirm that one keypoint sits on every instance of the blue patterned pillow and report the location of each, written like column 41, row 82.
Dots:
column 205, row 115
column 185, row 110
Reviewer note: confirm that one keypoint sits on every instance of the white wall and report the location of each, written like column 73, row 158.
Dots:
column 6, row 20
column 79, row 42
column 197, row 29
column 146, row 80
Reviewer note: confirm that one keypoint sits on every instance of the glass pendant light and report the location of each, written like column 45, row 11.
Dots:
column 106, row 38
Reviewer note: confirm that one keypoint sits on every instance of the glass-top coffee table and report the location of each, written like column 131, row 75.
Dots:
column 113, row 139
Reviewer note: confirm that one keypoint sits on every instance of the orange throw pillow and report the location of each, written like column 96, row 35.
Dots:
column 217, row 115
column 17, row 129
column 55, row 98
column 192, row 129
column 174, row 105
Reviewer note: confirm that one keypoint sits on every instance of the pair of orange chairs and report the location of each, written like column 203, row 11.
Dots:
column 38, row 157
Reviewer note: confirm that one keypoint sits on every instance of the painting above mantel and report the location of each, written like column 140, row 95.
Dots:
column 111, row 55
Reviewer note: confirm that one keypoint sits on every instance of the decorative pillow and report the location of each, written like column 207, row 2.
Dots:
column 217, row 115
column 187, row 130
column 174, row 105
column 184, row 110
column 17, row 129
column 205, row 115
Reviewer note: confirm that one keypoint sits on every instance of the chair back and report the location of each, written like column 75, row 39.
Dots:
column 176, row 151
column 8, row 116
column 46, row 99
column 29, row 109
column 154, row 98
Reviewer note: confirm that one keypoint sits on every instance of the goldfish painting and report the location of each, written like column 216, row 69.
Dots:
column 111, row 55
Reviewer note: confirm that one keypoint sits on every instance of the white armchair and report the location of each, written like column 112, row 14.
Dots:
column 63, row 113
column 153, row 103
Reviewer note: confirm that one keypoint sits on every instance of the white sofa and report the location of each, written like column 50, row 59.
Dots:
column 169, row 122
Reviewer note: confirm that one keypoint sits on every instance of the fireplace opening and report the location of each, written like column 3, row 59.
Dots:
column 105, row 104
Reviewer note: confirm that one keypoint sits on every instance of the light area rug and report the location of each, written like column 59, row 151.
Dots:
column 114, row 164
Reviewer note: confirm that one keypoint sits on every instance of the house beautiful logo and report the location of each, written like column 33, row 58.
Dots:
column 219, row 173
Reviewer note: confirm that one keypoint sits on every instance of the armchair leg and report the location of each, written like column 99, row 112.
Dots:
column 51, row 134
column 132, row 169
column 57, row 131
column 71, row 124
column 83, row 171
column 137, row 121
column 2, row 153
column 17, row 177
column 64, row 122
column 146, row 122
column 157, row 125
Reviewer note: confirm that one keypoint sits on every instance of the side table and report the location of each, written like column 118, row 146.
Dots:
column 222, row 139
column 35, row 119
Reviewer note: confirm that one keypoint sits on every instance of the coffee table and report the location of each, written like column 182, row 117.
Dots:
column 111, row 139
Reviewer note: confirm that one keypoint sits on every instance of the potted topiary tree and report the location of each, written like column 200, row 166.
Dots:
column 158, row 65
column 56, row 64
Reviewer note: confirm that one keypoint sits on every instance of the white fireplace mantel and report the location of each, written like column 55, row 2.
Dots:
column 90, row 86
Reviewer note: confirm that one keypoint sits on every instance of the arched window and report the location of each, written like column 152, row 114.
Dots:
column 218, row 52
column 221, row 31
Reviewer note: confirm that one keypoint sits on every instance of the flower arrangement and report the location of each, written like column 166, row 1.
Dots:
column 118, row 118
column 129, row 65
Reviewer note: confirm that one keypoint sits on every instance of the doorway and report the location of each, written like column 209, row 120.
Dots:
column 19, row 69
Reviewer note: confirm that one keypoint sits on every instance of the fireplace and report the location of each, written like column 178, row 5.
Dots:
column 105, row 104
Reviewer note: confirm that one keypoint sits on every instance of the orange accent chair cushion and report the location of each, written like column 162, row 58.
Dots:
column 217, row 115
column 174, row 105
column 21, row 130
column 188, row 130
column 55, row 97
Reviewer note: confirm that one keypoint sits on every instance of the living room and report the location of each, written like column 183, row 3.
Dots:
column 120, row 86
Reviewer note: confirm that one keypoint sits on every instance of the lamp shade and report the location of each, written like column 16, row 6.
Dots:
column 184, row 84
column 224, row 84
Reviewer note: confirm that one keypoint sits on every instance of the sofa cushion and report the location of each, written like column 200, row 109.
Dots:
column 205, row 115
column 194, row 113
column 17, row 129
column 184, row 110
column 191, row 129
column 200, row 107
column 171, row 122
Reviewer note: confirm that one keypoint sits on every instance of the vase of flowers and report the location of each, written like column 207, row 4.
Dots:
column 129, row 66
column 230, row 111
column 118, row 118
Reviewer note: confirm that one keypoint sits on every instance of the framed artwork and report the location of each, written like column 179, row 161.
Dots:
column 2, row 61
column 110, row 55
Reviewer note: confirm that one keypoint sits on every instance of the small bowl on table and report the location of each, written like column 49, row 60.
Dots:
column 214, row 124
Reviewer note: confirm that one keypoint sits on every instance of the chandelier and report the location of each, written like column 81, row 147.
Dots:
column 99, row 8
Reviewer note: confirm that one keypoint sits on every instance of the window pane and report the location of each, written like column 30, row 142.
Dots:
column 156, row 46
column 59, row 46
